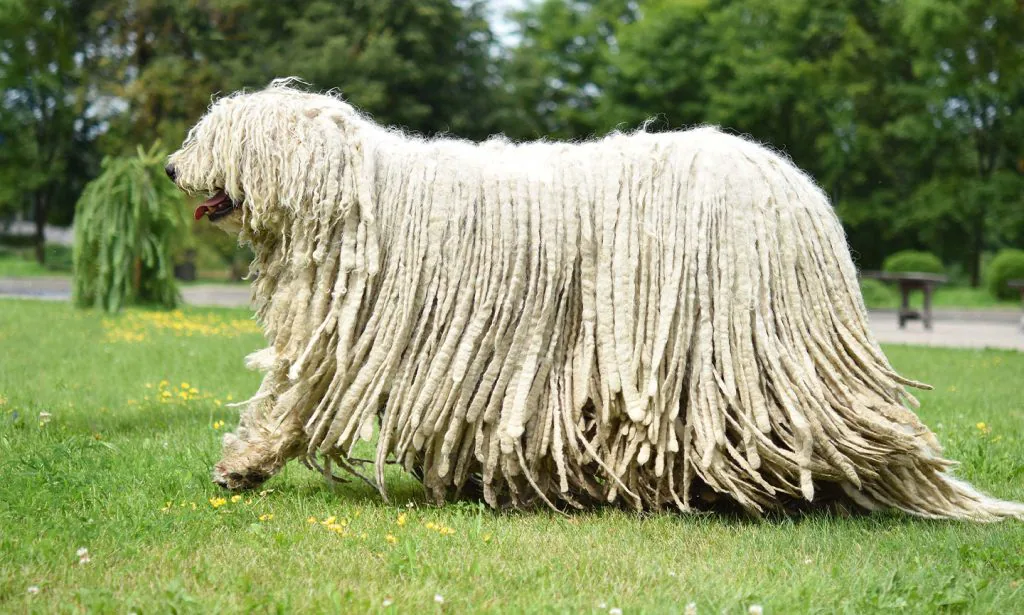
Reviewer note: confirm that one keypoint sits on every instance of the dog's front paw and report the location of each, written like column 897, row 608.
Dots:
column 238, row 481
column 244, row 464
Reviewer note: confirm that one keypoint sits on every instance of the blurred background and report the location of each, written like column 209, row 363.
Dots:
column 908, row 113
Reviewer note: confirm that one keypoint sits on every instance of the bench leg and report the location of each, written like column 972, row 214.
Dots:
column 927, row 316
column 904, row 305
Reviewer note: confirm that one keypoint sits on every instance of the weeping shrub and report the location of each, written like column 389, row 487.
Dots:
column 128, row 222
column 913, row 261
column 1007, row 265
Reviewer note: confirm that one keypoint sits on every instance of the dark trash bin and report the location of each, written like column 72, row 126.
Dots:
column 186, row 270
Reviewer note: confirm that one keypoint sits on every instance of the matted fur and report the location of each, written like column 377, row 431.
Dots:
column 653, row 318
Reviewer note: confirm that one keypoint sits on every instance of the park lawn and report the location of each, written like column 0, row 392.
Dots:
column 126, row 476
column 21, row 266
column 880, row 296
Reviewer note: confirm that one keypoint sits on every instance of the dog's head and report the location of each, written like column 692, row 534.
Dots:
column 252, row 153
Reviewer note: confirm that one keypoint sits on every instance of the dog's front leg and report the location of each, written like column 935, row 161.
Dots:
column 268, row 435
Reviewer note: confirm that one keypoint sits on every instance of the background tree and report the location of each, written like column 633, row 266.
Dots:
column 907, row 113
column 425, row 65
column 968, row 62
column 158, row 63
column 559, row 71
column 894, row 108
column 46, row 119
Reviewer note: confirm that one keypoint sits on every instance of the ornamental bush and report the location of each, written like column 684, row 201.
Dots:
column 1007, row 265
column 913, row 261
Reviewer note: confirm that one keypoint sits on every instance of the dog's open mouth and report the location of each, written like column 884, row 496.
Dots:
column 215, row 207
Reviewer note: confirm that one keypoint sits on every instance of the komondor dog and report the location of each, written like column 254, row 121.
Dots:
column 658, row 319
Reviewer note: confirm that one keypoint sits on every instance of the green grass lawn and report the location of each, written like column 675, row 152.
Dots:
column 115, row 470
column 20, row 266
column 19, row 262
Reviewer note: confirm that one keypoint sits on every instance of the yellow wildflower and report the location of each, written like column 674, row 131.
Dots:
column 391, row 539
column 401, row 520
column 217, row 502
column 267, row 517
column 311, row 520
column 328, row 520
column 235, row 498
column 184, row 385
column 486, row 537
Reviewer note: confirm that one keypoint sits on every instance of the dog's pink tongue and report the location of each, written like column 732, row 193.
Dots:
column 211, row 204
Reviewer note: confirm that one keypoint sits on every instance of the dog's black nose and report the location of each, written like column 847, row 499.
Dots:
column 170, row 172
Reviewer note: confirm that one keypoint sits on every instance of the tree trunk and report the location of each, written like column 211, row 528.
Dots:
column 977, row 245
column 39, row 214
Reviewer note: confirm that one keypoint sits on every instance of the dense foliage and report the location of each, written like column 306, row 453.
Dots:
column 908, row 113
column 1006, row 266
column 128, row 222
column 913, row 261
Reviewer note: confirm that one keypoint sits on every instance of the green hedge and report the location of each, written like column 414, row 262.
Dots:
column 1007, row 265
column 878, row 294
column 913, row 261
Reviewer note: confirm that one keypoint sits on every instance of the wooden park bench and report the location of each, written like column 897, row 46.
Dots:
column 1019, row 285
column 907, row 282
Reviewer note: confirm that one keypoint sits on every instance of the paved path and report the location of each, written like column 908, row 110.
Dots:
column 973, row 329
column 952, row 328
column 59, row 289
